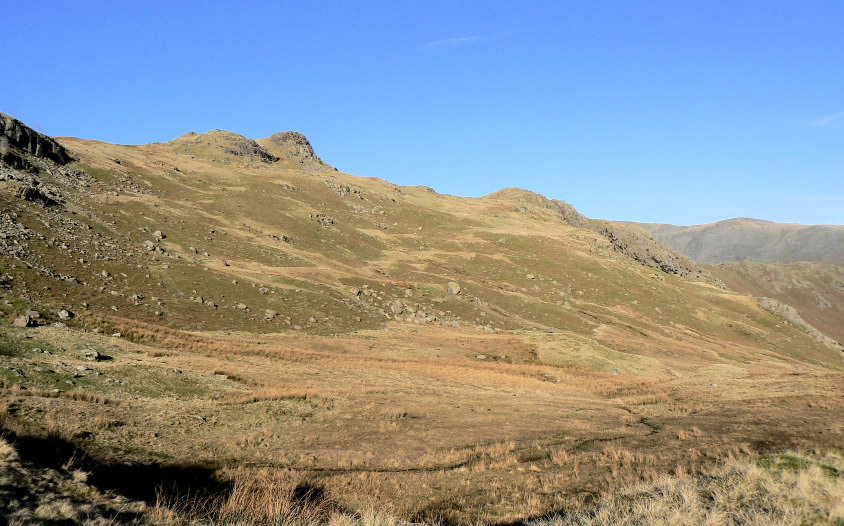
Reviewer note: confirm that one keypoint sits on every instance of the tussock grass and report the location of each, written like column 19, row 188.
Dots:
column 83, row 395
column 801, row 489
column 266, row 498
column 270, row 394
column 785, row 489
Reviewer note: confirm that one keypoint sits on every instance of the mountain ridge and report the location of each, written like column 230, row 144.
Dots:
column 748, row 239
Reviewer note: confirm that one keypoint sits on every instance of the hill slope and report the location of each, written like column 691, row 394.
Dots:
column 816, row 290
column 230, row 308
column 746, row 239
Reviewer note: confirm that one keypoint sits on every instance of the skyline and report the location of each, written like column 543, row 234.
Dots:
column 682, row 114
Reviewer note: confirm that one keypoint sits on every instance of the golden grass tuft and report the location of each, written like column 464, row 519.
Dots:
column 83, row 395
column 781, row 489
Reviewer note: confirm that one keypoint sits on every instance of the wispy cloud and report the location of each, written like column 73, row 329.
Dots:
column 454, row 42
column 830, row 121
column 463, row 41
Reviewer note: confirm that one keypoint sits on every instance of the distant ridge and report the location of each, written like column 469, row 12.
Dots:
column 746, row 239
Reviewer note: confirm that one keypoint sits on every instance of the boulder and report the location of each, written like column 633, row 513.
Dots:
column 454, row 287
column 397, row 307
column 65, row 315
column 93, row 355
column 24, row 321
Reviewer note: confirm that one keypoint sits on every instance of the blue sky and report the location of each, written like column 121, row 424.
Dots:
column 676, row 112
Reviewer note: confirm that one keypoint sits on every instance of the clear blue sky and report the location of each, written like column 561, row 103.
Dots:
column 678, row 111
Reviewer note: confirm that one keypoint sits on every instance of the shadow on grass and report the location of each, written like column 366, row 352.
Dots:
column 133, row 480
column 192, row 491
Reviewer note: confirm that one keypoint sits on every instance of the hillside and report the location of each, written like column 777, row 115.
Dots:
column 217, row 310
column 744, row 239
column 816, row 290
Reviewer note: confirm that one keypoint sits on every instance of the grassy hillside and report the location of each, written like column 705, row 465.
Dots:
column 744, row 239
column 816, row 290
column 232, row 309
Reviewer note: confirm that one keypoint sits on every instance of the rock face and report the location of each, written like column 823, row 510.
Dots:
column 788, row 313
column 745, row 239
column 16, row 135
column 294, row 146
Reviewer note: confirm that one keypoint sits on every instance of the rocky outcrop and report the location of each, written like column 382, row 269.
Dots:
column 640, row 246
column 291, row 145
column 221, row 145
column 628, row 240
column 17, row 138
column 789, row 314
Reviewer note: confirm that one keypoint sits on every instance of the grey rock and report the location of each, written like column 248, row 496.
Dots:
column 396, row 307
column 454, row 287
column 92, row 355
column 15, row 134
column 24, row 321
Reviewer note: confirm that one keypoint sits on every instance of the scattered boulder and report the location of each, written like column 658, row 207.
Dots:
column 34, row 193
column 65, row 315
column 454, row 287
column 93, row 355
column 158, row 235
column 34, row 314
column 270, row 314
column 397, row 307
column 24, row 321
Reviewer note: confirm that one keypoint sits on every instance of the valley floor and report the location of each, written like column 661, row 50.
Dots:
column 424, row 424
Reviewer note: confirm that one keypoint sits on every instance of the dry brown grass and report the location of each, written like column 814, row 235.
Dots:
column 783, row 489
column 83, row 395
column 789, row 489
column 280, row 393
column 266, row 498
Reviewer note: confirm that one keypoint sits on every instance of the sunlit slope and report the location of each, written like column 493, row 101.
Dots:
column 816, row 290
column 255, row 244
